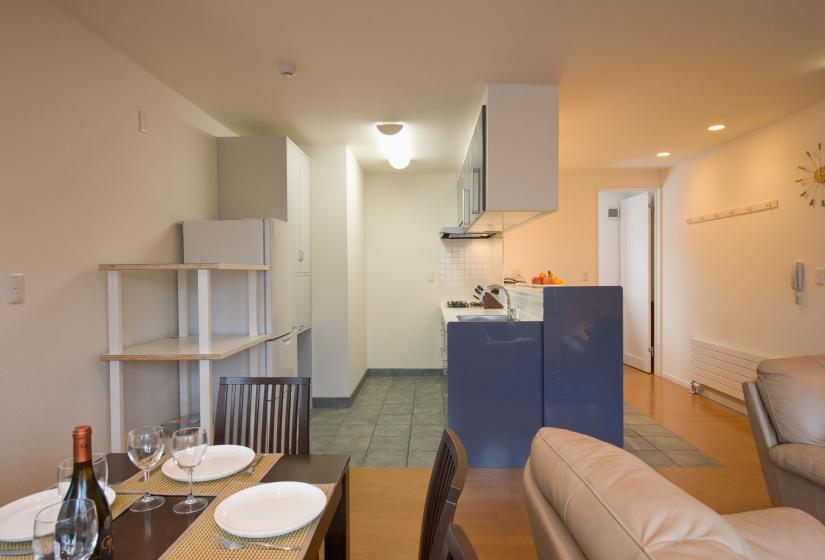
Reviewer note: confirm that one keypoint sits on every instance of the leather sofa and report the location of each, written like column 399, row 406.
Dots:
column 587, row 499
column 786, row 408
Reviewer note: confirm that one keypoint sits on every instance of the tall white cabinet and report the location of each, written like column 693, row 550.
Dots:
column 269, row 177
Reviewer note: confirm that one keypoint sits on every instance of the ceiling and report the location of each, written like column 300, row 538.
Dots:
column 636, row 78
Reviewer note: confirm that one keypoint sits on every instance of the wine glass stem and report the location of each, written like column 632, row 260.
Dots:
column 191, row 496
column 146, row 494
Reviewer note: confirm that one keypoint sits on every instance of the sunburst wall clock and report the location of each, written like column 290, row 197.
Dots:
column 813, row 183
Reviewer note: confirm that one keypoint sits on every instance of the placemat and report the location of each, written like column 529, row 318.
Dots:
column 197, row 541
column 160, row 484
column 122, row 504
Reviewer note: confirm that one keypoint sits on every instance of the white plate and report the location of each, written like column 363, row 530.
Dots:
column 17, row 518
column 269, row 510
column 220, row 461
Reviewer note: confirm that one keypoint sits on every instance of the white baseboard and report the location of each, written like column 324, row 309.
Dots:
column 708, row 393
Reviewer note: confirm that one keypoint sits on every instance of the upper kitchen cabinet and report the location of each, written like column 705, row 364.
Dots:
column 510, row 171
column 266, row 177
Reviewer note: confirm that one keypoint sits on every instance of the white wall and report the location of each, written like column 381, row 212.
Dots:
column 81, row 186
column 404, row 214
column 609, row 231
column 728, row 281
column 338, row 280
column 566, row 241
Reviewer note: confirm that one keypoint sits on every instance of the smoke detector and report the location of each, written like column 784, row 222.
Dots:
column 287, row 70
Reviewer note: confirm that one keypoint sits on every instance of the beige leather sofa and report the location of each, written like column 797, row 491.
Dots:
column 786, row 407
column 587, row 499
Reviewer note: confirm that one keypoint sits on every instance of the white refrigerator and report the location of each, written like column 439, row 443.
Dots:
column 251, row 241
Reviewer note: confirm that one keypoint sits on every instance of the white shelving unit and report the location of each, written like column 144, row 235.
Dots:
column 202, row 348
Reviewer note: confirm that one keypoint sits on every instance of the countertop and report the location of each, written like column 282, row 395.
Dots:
column 450, row 314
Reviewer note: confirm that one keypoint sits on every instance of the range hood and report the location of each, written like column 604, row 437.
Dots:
column 465, row 233
column 510, row 171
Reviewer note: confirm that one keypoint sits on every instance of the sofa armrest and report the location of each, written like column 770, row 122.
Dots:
column 780, row 533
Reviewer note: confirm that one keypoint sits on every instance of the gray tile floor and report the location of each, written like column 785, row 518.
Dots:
column 657, row 446
column 394, row 422
column 398, row 421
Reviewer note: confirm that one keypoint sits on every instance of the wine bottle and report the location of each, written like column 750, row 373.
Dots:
column 84, row 485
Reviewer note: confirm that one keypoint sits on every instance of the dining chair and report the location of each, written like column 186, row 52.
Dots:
column 459, row 546
column 267, row 414
column 446, row 484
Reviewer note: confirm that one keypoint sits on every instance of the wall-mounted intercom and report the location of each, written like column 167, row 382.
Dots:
column 798, row 281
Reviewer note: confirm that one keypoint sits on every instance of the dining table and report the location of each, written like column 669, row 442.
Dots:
column 147, row 535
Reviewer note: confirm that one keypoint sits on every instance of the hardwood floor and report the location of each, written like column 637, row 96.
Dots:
column 387, row 504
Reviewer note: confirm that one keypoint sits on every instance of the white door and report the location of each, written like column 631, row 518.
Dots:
column 635, row 242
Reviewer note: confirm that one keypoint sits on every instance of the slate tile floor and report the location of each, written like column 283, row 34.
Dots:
column 398, row 421
column 657, row 446
column 394, row 422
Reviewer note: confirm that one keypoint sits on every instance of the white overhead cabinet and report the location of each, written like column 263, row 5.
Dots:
column 510, row 172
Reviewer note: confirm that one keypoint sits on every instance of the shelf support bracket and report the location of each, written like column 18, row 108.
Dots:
column 115, row 332
column 205, row 346
column 185, row 404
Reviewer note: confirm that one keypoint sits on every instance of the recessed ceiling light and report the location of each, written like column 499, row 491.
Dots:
column 663, row 154
column 716, row 127
column 395, row 143
column 287, row 69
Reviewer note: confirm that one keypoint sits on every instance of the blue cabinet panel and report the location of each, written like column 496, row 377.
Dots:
column 494, row 400
column 583, row 360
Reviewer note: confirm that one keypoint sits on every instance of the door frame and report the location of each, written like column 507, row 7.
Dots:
column 657, row 266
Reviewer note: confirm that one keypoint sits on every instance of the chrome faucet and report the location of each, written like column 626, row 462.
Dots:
column 511, row 312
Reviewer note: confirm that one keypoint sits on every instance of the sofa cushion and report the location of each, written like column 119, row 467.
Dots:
column 793, row 390
column 618, row 508
column 808, row 461
column 780, row 534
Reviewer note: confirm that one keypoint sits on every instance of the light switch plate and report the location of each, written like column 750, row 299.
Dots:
column 820, row 276
column 15, row 290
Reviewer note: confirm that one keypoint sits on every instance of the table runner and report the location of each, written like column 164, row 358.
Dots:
column 160, row 484
column 197, row 541
column 122, row 504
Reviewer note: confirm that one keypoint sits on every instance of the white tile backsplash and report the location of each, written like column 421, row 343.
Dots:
column 468, row 263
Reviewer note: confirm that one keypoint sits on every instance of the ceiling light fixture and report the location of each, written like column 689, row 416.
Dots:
column 663, row 154
column 716, row 127
column 395, row 143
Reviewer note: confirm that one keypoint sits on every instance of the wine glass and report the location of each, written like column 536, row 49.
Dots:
column 145, row 448
column 65, row 468
column 188, row 450
column 65, row 530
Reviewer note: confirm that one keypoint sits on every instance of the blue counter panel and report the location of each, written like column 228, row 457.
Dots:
column 494, row 400
column 583, row 371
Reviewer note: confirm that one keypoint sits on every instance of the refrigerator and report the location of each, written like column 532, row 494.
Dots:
column 266, row 241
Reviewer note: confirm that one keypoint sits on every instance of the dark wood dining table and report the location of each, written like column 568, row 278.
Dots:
column 146, row 536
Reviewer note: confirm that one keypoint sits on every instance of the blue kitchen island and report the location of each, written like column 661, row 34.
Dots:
column 507, row 379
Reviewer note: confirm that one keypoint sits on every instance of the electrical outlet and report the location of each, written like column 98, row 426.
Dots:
column 15, row 290
column 585, row 275
column 820, row 276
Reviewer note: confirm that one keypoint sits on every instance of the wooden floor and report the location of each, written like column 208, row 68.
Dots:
column 387, row 503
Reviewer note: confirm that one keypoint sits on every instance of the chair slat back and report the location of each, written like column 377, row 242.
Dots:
column 446, row 484
column 267, row 414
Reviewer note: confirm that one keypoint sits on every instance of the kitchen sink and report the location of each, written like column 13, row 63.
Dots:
column 482, row 318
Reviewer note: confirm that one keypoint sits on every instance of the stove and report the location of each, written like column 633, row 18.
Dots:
column 463, row 303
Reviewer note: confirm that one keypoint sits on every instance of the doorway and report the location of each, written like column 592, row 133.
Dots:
column 629, row 256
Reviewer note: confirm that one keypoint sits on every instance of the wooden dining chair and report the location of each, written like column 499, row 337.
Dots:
column 459, row 546
column 446, row 484
column 267, row 414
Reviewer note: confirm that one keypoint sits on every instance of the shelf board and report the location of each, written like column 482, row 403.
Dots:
column 186, row 348
column 183, row 266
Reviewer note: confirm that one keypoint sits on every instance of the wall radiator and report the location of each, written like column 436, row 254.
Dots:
column 720, row 368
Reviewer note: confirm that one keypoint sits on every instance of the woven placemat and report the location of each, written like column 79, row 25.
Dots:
column 197, row 541
column 122, row 503
column 160, row 484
